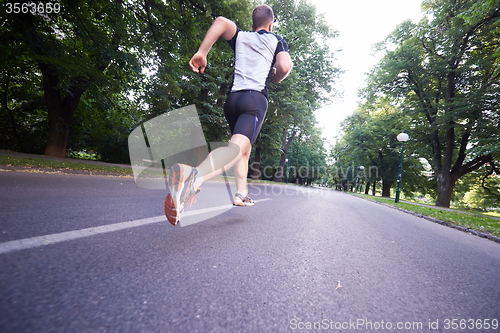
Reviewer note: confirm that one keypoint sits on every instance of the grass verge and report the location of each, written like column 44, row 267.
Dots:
column 454, row 217
column 60, row 165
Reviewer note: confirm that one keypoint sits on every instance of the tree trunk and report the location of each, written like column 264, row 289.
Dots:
column 345, row 185
column 61, row 99
column 256, row 165
column 60, row 111
column 367, row 188
column 386, row 188
column 374, row 188
column 57, row 142
column 60, row 106
column 285, row 145
column 445, row 185
column 278, row 177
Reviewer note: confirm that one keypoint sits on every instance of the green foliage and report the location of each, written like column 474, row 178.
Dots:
column 87, row 46
column 444, row 73
column 369, row 140
column 123, row 62
column 102, row 126
column 292, row 102
column 23, row 126
column 480, row 189
column 483, row 197
column 307, row 160
column 97, row 54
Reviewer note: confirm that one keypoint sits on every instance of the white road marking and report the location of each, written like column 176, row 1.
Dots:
column 28, row 243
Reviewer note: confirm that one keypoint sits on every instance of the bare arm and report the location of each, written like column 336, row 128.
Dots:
column 221, row 27
column 284, row 66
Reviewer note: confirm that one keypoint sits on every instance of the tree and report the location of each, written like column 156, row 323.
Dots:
column 484, row 195
column 481, row 188
column 110, row 47
column 307, row 160
column 21, row 101
column 369, row 140
column 444, row 73
column 174, row 85
column 292, row 103
column 73, row 51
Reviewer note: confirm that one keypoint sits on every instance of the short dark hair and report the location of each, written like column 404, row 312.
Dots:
column 262, row 15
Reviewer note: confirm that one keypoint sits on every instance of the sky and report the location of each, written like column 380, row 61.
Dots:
column 361, row 24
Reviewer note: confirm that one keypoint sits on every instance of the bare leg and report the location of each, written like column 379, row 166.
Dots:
column 236, row 154
column 241, row 165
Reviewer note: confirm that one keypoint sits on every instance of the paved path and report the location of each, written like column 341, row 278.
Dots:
column 73, row 160
column 300, row 259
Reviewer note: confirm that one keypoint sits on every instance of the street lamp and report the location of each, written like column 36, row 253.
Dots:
column 286, row 176
column 402, row 137
column 361, row 167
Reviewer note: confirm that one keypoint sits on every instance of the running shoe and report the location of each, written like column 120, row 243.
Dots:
column 242, row 200
column 182, row 191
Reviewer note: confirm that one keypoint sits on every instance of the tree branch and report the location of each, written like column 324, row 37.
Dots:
column 469, row 34
column 483, row 181
column 461, row 153
column 474, row 164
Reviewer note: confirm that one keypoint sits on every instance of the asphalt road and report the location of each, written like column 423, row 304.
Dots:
column 93, row 254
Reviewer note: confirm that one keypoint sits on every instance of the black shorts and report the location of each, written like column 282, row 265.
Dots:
column 245, row 111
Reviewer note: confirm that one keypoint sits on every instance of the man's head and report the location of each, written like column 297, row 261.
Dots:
column 262, row 18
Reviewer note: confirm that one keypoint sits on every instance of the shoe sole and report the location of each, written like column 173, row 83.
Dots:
column 172, row 204
column 170, row 210
column 242, row 204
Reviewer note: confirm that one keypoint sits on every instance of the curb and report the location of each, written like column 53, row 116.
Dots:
column 447, row 224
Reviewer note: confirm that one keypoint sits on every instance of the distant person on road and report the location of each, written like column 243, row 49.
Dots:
column 260, row 57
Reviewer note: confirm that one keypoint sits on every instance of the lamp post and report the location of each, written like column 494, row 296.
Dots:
column 361, row 167
column 402, row 137
column 286, row 175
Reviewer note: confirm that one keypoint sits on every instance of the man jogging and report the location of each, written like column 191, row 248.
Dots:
column 260, row 57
